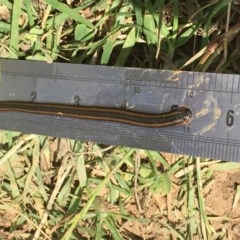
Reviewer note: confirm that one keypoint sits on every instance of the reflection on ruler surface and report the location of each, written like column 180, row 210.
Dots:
column 213, row 98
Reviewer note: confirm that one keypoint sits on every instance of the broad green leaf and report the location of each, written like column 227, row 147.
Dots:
column 107, row 51
column 186, row 35
column 226, row 166
column 81, row 171
column 157, row 157
column 82, row 33
column 145, row 171
column 162, row 184
column 149, row 24
column 127, row 47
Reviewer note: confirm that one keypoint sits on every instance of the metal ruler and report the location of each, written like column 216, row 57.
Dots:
column 214, row 99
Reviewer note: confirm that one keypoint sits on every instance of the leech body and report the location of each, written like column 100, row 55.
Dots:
column 180, row 116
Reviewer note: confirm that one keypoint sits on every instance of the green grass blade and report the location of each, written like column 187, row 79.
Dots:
column 29, row 13
column 14, row 37
column 92, row 197
column 13, row 181
column 6, row 3
column 112, row 228
column 159, row 20
column 4, row 27
column 70, row 12
column 107, row 51
column 81, row 170
column 127, row 47
column 138, row 12
column 175, row 20
column 205, row 225
column 35, row 161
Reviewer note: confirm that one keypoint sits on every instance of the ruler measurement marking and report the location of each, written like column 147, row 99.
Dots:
column 193, row 83
column 214, row 146
column 208, row 82
column 211, row 82
column 210, row 150
column 114, row 81
column 192, row 86
column 232, row 88
column 197, row 84
column 215, row 83
column 189, row 136
column 231, row 152
column 187, row 145
column 238, row 80
column 62, row 78
column 178, row 83
column 203, row 145
column 216, row 150
column 235, row 149
column 198, row 148
column 237, row 152
column 195, row 149
column 187, row 82
column 182, row 144
column 234, row 153
column 220, row 86
column 207, row 139
column 204, row 84
column 225, row 151
column 219, row 150
column 181, row 86
column 222, row 151
column 206, row 146
column 229, row 86
column 173, row 87
column 225, row 85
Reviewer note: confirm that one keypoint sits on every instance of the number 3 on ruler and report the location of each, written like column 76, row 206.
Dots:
column 229, row 118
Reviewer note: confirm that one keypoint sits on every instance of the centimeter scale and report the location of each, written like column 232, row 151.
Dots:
column 214, row 100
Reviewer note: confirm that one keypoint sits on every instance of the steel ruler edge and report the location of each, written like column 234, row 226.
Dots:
column 214, row 99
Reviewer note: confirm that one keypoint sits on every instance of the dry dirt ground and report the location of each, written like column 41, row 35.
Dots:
column 219, row 198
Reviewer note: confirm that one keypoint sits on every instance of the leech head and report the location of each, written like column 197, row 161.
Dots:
column 186, row 115
column 189, row 116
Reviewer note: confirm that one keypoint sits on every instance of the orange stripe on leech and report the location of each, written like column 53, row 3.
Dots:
column 56, row 109
column 90, row 109
column 102, row 118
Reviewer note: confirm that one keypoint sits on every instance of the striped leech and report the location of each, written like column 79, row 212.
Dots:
column 180, row 116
